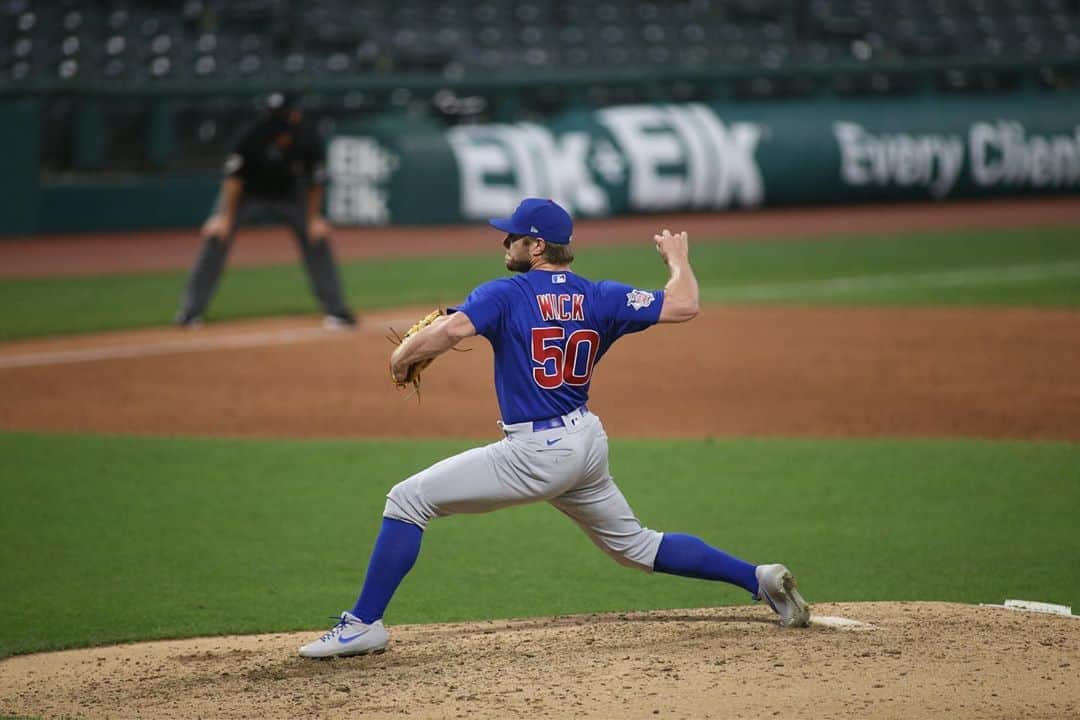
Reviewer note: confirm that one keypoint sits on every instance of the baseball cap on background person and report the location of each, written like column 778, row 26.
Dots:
column 541, row 218
column 281, row 103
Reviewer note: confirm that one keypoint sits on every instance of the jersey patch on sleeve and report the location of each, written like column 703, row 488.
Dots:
column 638, row 299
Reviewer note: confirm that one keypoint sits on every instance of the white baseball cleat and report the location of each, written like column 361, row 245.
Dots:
column 339, row 322
column 351, row 636
column 776, row 586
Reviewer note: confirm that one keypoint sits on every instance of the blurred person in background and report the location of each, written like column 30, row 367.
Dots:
column 275, row 172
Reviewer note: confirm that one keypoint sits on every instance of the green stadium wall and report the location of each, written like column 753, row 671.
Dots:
column 674, row 158
column 612, row 161
column 19, row 143
column 130, row 203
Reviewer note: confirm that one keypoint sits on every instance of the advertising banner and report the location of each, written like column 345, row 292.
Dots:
column 674, row 158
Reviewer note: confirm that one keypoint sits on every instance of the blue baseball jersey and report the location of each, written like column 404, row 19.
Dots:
column 548, row 330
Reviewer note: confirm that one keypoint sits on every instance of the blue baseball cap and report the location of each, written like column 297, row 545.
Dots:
column 539, row 218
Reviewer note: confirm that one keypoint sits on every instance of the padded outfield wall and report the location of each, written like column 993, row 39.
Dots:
column 616, row 160
column 661, row 158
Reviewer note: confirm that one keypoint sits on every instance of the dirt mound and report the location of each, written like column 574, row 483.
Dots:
column 896, row 660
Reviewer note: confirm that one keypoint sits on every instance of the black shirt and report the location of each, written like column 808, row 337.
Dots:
column 275, row 158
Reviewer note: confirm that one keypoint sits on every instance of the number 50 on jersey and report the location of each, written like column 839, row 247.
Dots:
column 560, row 359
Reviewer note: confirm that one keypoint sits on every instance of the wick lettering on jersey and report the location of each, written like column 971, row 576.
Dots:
column 563, row 307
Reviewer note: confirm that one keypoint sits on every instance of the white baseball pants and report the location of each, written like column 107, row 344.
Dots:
column 566, row 466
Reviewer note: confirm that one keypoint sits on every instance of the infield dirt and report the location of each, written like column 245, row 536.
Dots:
column 814, row 372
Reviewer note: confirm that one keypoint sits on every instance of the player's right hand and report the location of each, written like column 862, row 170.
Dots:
column 672, row 247
column 318, row 229
column 217, row 225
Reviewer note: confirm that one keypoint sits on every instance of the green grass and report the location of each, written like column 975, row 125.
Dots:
column 918, row 268
column 110, row 539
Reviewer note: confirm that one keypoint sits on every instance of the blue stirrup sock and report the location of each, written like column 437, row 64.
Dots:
column 396, row 550
column 689, row 556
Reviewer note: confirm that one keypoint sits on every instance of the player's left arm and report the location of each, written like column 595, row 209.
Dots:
column 443, row 334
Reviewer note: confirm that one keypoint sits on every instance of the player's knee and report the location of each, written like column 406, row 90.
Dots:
column 404, row 502
column 636, row 550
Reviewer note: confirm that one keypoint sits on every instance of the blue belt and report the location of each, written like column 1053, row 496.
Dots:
column 555, row 422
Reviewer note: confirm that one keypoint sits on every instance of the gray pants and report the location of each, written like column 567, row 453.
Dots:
column 318, row 257
column 566, row 466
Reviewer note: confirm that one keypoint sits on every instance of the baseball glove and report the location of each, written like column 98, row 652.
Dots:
column 412, row 376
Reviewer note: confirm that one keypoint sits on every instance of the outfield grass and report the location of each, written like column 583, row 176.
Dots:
column 1008, row 267
column 109, row 539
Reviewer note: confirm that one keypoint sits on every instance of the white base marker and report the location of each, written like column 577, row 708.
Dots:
column 1035, row 607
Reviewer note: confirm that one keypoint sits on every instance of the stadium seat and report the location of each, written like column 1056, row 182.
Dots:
column 151, row 42
column 743, row 48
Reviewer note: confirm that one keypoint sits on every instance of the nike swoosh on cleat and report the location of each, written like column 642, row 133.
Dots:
column 552, row 442
column 348, row 639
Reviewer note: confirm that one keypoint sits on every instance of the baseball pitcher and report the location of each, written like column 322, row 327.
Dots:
column 549, row 327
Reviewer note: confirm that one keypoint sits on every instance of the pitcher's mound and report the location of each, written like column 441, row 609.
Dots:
column 865, row 660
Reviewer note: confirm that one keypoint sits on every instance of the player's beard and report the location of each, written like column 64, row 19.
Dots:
column 520, row 266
